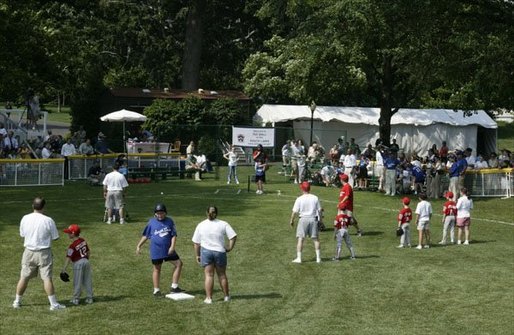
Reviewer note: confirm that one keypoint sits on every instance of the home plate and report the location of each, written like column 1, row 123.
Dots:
column 179, row 296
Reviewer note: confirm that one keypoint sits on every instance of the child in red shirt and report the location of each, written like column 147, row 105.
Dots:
column 449, row 215
column 78, row 254
column 404, row 218
column 341, row 223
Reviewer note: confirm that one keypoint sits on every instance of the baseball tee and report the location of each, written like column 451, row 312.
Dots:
column 424, row 210
column 160, row 234
column 405, row 215
column 464, row 207
column 210, row 234
column 38, row 230
column 307, row 206
column 78, row 250
column 346, row 190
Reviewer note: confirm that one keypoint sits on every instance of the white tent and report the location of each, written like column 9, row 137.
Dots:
column 415, row 130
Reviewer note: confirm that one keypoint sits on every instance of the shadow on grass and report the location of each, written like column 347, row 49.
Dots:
column 108, row 298
column 271, row 295
column 372, row 233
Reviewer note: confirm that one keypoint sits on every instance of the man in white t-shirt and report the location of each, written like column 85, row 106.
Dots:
column 211, row 252
column 67, row 149
column 423, row 216
column 114, row 193
column 464, row 206
column 38, row 231
column 350, row 162
column 308, row 209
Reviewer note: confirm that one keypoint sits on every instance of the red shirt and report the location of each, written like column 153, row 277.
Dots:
column 405, row 215
column 78, row 250
column 341, row 221
column 450, row 208
column 346, row 190
column 443, row 152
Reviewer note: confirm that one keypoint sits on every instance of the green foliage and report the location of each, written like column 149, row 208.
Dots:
column 159, row 117
column 442, row 290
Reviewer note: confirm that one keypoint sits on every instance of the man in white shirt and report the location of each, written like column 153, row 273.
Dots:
column 211, row 252
column 308, row 209
column 38, row 231
column 11, row 147
column 349, row 165
column 114, row 193
column 67, row 149
column 379, row 163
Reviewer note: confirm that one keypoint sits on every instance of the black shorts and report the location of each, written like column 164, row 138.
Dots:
column 261, row 178
column 173, row 257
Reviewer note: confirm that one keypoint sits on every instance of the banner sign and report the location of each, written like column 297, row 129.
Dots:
column 251, row 137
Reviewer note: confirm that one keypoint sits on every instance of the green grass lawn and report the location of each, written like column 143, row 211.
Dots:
column 443, row 290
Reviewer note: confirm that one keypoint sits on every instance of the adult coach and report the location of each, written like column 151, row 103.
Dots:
column 162, row 234
column 211, row 253
column 308, row 208
column 346, row 202
column 114, row 193
column 261, row 165
column 38, row 231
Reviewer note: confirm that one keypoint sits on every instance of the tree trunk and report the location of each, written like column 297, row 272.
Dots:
column 193, row 45
column 386, row 112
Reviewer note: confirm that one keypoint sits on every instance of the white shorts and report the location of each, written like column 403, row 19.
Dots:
column 423, row 225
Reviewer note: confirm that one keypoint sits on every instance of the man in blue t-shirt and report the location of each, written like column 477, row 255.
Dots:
column 162, row 234
column 456, row 173
column 391, row 163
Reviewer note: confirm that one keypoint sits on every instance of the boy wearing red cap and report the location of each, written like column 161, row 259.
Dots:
column 449, row 214
column 341, row 223
column 346, row 202
column 78, row 254
column 308, row 208
column 404, row 218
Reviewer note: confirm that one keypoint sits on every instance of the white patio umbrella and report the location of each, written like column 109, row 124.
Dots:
column 123, row 116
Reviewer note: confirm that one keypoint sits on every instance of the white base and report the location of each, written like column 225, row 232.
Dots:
column 180, row 296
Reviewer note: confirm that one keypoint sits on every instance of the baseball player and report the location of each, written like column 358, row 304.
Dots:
column 423, row 216
column 308, row 208
column 346, row 202
column 404, row 218
column 449, row 217
column 114, row 185
column 78, row 254
column 162, row 234
column 341, row 223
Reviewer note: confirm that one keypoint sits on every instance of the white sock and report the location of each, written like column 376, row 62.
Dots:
column 318, row 253
column 155, row 290
column 52, row 299
column 174, row 285
column 18, row 298
column 299, row 254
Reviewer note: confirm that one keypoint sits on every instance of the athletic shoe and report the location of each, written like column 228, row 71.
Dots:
column 226, row 298
column 176, row 290
column 359, row 233
column 353, row 258
column 89, row 301
column 16, row 304
column 109, row 221
column 335, row 259
column 56, row 307
column 318, row 260
column 466, row 243
column 237, row 182
column 459, row 242
column 442, row 243
column 158, row 294
column 75, row 301
column 452, row 242
column 400, row 246
column 426, row 246
column 122, row 221
column 419, row 247
column 297, row 260
column 387, row 193
column 207, row 301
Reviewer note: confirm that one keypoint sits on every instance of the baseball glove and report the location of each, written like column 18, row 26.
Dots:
column 399, row 232
column 65, row 277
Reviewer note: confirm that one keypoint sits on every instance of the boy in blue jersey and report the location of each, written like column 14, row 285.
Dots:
column 162, row 234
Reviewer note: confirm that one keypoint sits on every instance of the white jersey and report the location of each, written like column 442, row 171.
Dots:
column 210, row 234
column 115, row 181
column 464, row 207
column 307, row 205
column 38, row 230
column 349, row 161
column 379, row 159
column 424, row 210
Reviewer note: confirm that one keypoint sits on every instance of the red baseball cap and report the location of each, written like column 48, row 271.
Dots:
column 343, row 177
column 73, row 229
column 406, row 201
column 449, row 194
column 305, row 186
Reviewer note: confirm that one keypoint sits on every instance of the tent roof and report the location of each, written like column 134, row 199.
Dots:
column 368, row 115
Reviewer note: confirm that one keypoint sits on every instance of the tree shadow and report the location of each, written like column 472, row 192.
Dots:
column 272, row 295
column 372, row 233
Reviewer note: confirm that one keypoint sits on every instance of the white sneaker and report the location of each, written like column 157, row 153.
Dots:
column 466, row 243
column 228, row 182
column 426, row 246
column 89, row 301
column 297, row 260
column 442, row 242
column 227, row 298
column 419, row 247
column 400, row 246
column 109, row 221
column 387, row 193
column 113, row 219
column 75, row 301
column 207, row 301
column 237, row 182
column 459, row 242
column 16, row 304
column 122, row 221
column 318, row 260
column 56, row 307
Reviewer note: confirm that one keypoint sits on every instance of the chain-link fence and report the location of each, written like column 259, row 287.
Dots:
column 31, row 172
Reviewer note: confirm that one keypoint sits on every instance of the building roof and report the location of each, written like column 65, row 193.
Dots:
column 128, row 92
